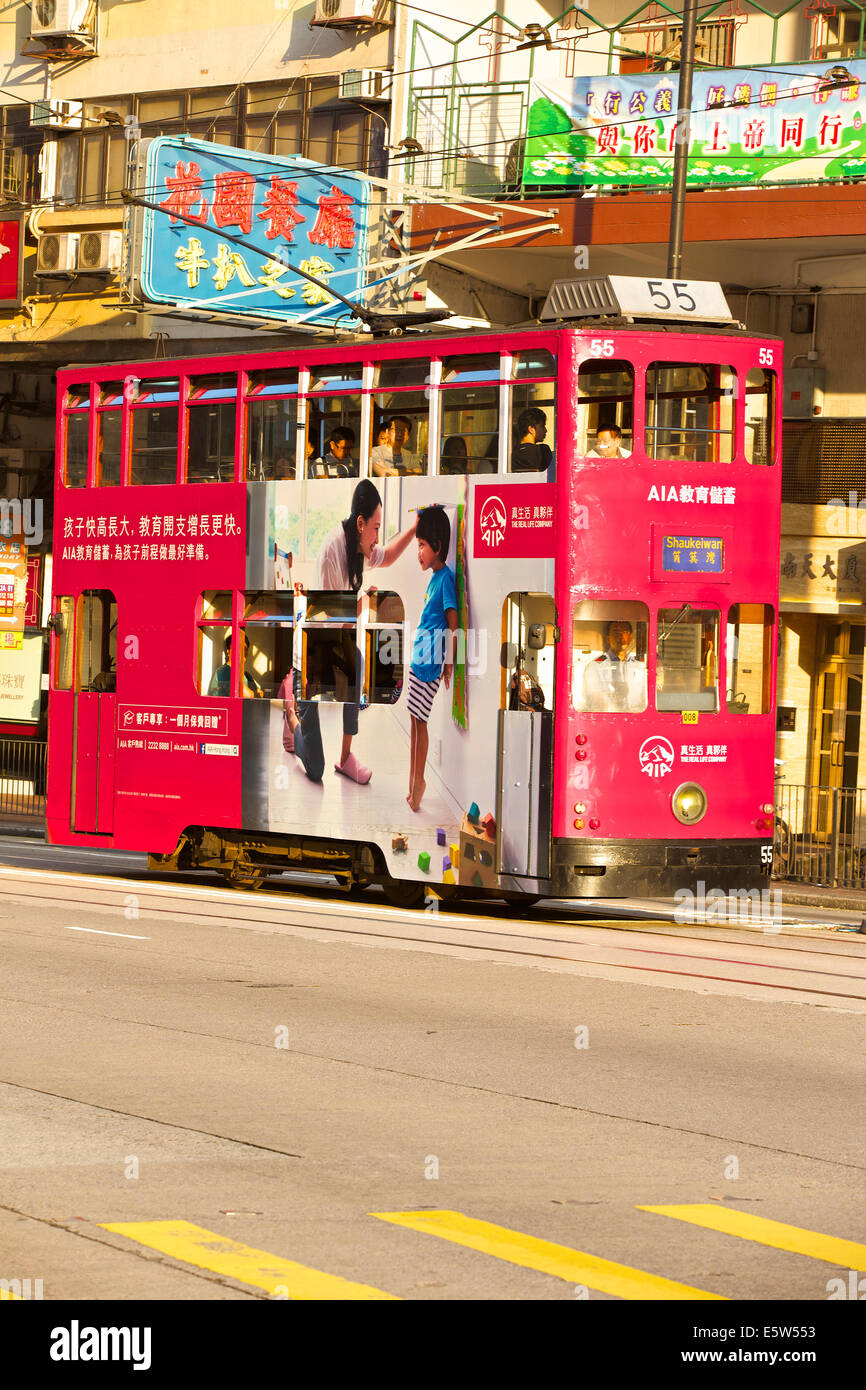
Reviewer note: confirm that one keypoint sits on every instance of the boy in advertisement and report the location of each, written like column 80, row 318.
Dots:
column 433, row 647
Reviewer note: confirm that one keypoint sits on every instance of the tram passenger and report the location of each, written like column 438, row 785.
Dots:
column 221, row 680
column 608, row 444
column 616, row 680
column 337, row 460
column 455, row 455
column 531, row 454
column 392, row 459
column 351, row 547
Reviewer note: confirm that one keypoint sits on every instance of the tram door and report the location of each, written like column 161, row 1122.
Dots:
column 94, row 741
column 525, row 762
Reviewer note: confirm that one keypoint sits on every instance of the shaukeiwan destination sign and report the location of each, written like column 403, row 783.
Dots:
column 291, row 212
column 796, row 123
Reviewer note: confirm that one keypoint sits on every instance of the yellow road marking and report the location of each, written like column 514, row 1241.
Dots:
column 543, row 1255
column 208, row 1250
column 831, row 1249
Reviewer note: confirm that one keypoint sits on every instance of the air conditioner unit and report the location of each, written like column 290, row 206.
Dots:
column 99, row 252
column 365, row 84
column 346, row 14
column 56, row 19
column 57, row 115
column 57, row 253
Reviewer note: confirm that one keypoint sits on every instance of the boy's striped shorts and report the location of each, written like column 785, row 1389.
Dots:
column 420, row 696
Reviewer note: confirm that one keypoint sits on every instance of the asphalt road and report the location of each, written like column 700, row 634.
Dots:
column 208, row 1095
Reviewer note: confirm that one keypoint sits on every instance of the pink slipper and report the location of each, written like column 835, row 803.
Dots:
column 355, row 771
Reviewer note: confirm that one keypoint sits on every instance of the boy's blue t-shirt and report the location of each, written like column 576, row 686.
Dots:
column 429, row 647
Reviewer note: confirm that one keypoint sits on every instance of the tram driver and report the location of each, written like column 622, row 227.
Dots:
column 616, row 680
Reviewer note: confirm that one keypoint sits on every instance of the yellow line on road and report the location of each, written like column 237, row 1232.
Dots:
column 196, row 1246
column 543, row 1255
column 831, row 1249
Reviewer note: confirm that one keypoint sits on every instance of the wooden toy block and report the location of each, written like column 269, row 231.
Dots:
column 424, row 862
column 473, row 813
column 477, row 856
column 441, row 837
column 400, row 844
column 454, row 856
column 489, row 824
column 446, row 864
column 448, row 876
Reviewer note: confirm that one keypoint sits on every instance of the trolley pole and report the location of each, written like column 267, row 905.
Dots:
column 681, row 150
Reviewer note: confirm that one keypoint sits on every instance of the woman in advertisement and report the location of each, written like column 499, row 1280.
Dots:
column 346, row 552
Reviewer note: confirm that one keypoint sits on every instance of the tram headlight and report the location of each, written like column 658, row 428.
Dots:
column 689, row 803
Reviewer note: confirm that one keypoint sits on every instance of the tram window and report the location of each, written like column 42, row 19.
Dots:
column 153, row 426
column 272, row 425
column 400, row 434
column 216, row 606
column 64, row 667
column 383, row 630
column 690, row 412
column 108, row 434
column 97, row 641
column 470, row 429
column 268, row 641
column 213, row 657
column 211, row 410
column 605, row 403
column 533, row 412
column 760, row 416
column 402, row 372
column 77, row 436
column 528, row 652
column 609, row 657
column 536, row 362
column 334, row 431
column 480, row 366
column 329, row 377
column 687, row 659
column 748, row 650
column 329, row 651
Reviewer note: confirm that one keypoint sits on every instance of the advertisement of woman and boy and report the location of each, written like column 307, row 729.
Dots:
column 405, row 765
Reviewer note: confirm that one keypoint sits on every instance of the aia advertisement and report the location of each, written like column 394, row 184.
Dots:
column 10, row 261
column 513, row 521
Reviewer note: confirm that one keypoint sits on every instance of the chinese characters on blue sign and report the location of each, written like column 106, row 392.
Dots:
column 697, row 554
column 294, row 212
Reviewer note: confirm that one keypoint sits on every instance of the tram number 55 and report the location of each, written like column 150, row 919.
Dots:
column 601, row 347
column 662, row 300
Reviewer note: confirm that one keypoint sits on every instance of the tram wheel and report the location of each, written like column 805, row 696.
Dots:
column 248, row 879
column 403, row 893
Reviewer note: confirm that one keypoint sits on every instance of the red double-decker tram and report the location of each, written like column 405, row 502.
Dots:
column 485, row 613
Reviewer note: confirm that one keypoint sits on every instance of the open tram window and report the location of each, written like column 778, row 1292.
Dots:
column 690, row 412
column 153, row 426
column 609, row 657
column 605, row 409
column 760, row 416
column 528, row 653
column 687, row 658
column 214, row 643
column 533, row 410
column 267, row 637
column 76, row 443
column 97, row 641
column 109, row 421
column 469, row 401
column 272, row 425
column 748, row 649
column 400, row 421
column 211, row 410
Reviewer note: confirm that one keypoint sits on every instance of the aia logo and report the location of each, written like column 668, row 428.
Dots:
column 493, row 522
column 656, row 756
